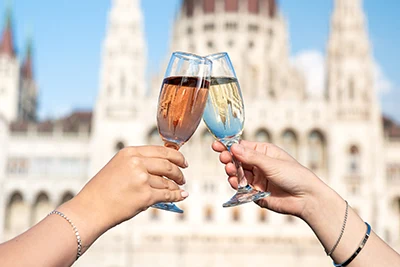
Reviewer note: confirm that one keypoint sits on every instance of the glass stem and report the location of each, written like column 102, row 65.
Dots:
column 242, row 181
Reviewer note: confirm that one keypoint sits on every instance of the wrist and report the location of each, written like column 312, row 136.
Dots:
column 87, row 219
column 322, row 204
column 325, row 214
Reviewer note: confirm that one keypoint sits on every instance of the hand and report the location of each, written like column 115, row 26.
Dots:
column 269, row 168
column 133, row 181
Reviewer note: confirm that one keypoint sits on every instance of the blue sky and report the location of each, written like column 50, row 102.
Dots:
column 68, row 36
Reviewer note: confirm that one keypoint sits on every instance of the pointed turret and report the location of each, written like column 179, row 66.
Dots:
column 27, row 65
column 7, row 43
column 28, row 90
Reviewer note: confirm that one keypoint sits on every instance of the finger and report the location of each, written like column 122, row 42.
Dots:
column 230, row 169
column 158, row 182
column 253, row 158
column 233, row 181
column 166, row 195
column 263, row 203
column 163, row 167
column 268, row 149
column 225, row 157
column 161, row 152
column 218, row 147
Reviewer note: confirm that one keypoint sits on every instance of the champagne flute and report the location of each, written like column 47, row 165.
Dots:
column 224, row 117
column 181, row 103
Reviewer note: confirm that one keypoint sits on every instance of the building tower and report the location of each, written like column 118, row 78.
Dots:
column 122, row 83
column 355, row 144
column 28, row 89
column 9, row 72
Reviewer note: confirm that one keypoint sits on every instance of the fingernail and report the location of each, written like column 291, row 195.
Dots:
column 184, row 194
column 186, row 163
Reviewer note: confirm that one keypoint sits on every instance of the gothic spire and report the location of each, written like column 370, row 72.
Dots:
column 27, row 65
column 7, row 43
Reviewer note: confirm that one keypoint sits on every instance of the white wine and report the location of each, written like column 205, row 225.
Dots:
column 224, row 112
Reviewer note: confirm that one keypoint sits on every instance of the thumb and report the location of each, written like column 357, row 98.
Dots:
column 252, row 157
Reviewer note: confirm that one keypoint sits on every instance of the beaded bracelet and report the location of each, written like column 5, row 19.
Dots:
column 360, row 247
column 78, row 237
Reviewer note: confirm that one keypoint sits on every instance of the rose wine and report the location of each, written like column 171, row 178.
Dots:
column 181, row 105
column 224, row 113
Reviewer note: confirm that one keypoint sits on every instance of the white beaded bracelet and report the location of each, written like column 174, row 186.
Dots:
column 78, row 237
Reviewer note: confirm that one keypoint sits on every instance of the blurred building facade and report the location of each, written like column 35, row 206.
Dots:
column 341, row 136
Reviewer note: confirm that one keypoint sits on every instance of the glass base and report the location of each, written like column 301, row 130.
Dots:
column 168, row 207
column 245, row 195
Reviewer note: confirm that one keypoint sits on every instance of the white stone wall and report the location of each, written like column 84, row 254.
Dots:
column 9, row 87
column 3, row 156
column 51, row 164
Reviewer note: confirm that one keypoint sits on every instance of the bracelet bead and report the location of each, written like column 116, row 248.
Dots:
column 78, row 237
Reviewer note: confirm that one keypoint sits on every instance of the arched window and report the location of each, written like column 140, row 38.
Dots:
column 123, row 85
column 154, row 137
column 263, row 136
column 66, row 197
column 398, row 212
column 317, row 150
column 354, row 159
column 41, row 208
column 290, row 219
column 351, row 89
column 236, row 216
column 182, row 216
column 154, row 214
column 120, row 145
column 17, row 214
column 289, row 142
column 271, row 77
column 262, row 215
column 209, row 214
column 109, row 90
column 244, row 135
column 231, row 5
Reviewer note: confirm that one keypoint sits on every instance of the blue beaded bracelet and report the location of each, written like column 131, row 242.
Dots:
column 362, row 244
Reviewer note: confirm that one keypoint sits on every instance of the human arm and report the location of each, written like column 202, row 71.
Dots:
column 130, row 183
column 297, row 191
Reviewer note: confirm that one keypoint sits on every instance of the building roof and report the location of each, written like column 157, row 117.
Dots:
column 72, row 123
column 391, row 127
